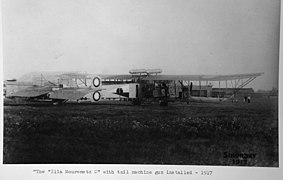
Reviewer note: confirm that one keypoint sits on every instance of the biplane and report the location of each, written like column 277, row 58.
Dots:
column 139, row 86
column 66, row 87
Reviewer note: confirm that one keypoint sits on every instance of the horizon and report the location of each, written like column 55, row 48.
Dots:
column 112, row 37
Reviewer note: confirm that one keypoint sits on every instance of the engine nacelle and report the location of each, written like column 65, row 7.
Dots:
column 145, row 71
column 137, row 71
column 154, row 71
column 96, row 81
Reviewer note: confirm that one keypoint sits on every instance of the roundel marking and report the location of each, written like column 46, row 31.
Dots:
column 96, row 82
column 96, row 96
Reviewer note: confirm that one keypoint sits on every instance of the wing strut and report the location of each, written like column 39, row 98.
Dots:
column 243, row 84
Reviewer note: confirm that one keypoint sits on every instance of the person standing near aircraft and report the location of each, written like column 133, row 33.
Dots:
column 249, row 99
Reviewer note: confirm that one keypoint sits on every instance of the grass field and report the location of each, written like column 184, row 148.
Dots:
column 194, row 134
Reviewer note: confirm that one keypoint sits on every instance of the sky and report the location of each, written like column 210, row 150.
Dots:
column 114, row 36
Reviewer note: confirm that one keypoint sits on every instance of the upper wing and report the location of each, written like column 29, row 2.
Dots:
column 184, row 77
column 73, row 75
column 202, row 77
column 120, row 77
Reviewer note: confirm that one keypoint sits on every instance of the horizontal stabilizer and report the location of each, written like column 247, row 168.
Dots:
column 31, row 92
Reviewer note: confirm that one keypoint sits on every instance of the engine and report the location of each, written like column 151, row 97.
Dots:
column 146, row 72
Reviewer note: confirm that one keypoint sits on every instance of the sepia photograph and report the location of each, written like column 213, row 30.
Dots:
column 141, row 82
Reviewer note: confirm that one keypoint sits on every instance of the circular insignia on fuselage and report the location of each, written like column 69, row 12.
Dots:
column 96, row 82
column 96, row 96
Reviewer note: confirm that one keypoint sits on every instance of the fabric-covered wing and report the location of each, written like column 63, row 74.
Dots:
column 202, row 77
column 120, row 77
column 73, row 76
column 70, row 94
column 31, row 92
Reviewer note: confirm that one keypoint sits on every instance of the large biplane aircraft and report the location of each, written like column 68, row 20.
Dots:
column 139, row 86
